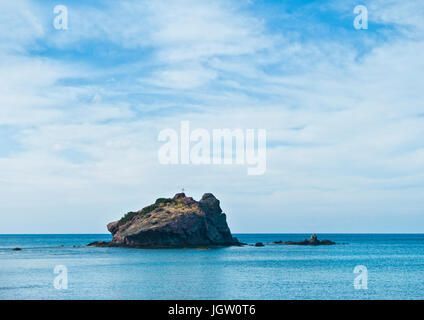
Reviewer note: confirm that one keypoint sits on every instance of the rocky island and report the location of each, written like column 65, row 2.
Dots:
column 172, row 223
column 313, row 241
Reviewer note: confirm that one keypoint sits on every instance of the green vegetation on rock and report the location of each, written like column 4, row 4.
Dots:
column 145, row 211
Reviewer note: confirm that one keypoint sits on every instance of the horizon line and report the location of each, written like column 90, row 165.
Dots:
column 264, row 233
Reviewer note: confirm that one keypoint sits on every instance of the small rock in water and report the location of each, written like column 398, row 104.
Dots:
column 259, row 244
column 98, row 244
column 277, row 242
column 313, row 241
column 16, row 249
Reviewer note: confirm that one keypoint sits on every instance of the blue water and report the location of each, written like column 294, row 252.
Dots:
column 395, row 265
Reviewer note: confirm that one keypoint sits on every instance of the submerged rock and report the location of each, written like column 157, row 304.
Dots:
column 313, row 241
column 98, row 244
column 170, row 223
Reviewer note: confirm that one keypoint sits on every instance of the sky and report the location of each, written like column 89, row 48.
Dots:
column 81, row 110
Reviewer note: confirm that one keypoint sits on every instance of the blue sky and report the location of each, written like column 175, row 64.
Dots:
column 81, row 109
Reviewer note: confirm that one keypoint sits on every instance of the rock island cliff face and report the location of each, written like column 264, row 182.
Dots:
column 172, row 223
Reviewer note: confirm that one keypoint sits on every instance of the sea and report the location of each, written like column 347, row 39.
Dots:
column 362, row 267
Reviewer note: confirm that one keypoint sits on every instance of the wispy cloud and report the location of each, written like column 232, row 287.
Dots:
column 81, row 109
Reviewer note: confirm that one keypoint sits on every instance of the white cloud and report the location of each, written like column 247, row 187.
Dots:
column 345, row 132
column 187, row 77
column 19, row 25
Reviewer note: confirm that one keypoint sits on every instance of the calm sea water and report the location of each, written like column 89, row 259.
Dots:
column 395, row 265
